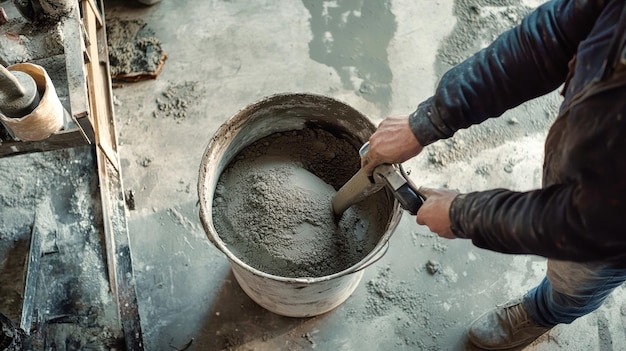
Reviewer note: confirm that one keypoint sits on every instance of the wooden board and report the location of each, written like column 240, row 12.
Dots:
column 99, row 83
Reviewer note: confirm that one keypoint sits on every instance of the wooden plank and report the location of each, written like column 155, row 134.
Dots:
column 96, row 12
column 98, row 81
column 117, row 241
column 119, row 255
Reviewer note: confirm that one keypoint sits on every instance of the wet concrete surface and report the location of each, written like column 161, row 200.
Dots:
column 237, row 52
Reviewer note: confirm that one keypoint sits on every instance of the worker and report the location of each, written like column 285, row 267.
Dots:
column 578, row 217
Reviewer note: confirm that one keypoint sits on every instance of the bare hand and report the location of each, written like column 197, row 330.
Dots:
column 393, row 142
column 435, row 212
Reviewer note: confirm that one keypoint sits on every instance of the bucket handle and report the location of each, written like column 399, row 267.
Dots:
column 373, row 260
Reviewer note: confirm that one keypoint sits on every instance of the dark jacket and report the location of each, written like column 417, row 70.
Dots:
column 580, row 212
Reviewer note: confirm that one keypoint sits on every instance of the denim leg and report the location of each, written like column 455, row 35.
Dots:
column 571, row 290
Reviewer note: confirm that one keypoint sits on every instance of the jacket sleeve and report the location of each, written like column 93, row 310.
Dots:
column 580, row 215
column 523, row 63
column 582, row 219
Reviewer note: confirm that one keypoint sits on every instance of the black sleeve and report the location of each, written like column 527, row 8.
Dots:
column 523, row 63
column 580, row 218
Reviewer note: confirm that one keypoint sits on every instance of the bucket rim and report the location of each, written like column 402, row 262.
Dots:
column 206, row 213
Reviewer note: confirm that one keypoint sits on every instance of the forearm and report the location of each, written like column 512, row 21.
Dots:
column 547, row 222
column 523, row 63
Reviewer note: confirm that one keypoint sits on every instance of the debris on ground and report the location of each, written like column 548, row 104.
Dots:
column 135, row 54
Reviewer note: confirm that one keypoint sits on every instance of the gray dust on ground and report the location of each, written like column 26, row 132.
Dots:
column 56, row 194
column 176, row 100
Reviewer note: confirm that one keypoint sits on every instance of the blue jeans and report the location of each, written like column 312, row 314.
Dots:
column 571, row 290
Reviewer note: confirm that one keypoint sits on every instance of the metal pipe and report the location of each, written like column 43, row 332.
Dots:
column 18, row 93
column 9, row 85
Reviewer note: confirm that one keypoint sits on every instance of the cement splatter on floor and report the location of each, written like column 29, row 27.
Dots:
column 177, row 101
column 134, row 52
column 478, row 24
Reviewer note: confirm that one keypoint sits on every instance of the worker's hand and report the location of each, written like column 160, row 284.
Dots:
column 393, row 142
column 435, row 212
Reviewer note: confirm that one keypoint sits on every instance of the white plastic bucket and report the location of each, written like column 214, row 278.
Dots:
column 293, row 297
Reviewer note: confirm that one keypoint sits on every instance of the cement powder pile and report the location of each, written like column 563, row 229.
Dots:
column 273, row 206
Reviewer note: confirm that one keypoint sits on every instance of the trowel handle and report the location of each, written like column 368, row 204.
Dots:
column 406, row 194
column 409, row 198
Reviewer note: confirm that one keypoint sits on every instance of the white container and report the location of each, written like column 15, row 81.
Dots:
column 47, row 118
column 293, row 297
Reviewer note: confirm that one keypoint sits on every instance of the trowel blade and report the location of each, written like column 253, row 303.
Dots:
column 356, row 189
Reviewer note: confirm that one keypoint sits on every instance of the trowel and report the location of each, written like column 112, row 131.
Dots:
column 360, row 186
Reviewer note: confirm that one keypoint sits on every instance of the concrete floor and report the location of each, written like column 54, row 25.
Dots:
column 235, row 52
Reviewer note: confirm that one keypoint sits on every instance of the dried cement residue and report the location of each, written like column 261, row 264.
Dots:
column 176, row 100
column 57, row 193
column 134, row 52
column 479, row 22
column 22, row 41
column 274, row 211
column 56, row 9
column 409, row 307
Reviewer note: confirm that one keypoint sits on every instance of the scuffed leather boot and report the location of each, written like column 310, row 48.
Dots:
column 505, row 327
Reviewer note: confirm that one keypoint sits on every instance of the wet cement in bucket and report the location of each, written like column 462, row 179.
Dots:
column 272, row 206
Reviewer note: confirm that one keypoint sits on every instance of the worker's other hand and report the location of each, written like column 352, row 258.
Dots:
column 393, row 142
column 435, row 212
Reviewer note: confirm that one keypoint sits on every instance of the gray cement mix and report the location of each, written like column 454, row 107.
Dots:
column 273, row 206
column 133, row 49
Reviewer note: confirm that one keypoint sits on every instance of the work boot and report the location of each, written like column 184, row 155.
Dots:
column 10, row 335
column 505, row 327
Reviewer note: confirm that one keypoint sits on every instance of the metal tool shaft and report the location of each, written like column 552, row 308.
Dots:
column 9, row 85
column 18, row 93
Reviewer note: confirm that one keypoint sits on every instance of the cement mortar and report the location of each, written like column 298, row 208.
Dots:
column 133, row 50
column 273, row 206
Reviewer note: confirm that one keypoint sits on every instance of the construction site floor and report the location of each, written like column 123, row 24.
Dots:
column 382, row 58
